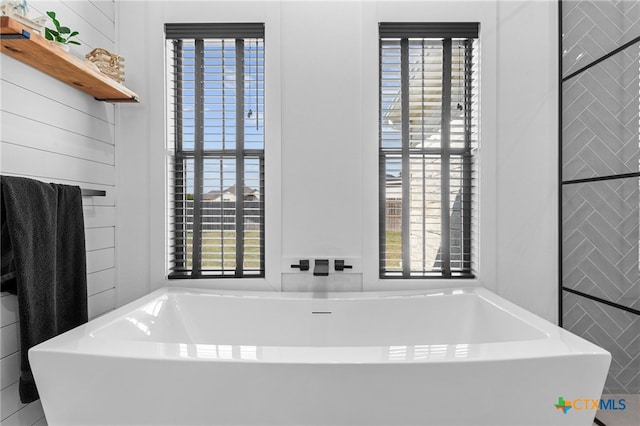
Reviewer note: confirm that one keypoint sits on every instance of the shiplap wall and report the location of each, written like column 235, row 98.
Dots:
column 55, row 133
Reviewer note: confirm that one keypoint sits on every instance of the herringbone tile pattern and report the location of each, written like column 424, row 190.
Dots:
column 591, row 29
column 600, row 240
column 600, row 228
column 600, row 118
column 601, row 219
column 613, row 329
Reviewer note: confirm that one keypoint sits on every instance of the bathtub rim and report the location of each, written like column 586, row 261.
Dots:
column 557, row 342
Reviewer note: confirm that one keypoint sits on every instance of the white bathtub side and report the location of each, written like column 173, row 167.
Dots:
column 89, row 390
column 88, row 381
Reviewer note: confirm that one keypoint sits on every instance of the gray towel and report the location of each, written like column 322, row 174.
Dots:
column 43, row 247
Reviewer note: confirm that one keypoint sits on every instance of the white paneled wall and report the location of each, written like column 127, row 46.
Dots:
column 322, row 138
column 55, row 133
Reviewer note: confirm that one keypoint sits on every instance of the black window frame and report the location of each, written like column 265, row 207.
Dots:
column 185, row 264
column 403, row 32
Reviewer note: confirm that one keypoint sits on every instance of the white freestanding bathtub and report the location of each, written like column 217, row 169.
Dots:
column 194, row 357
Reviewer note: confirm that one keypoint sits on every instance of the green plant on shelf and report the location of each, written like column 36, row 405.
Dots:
column 61, row 34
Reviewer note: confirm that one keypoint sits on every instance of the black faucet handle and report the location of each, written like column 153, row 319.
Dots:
column 303, row 264
column 340, row 266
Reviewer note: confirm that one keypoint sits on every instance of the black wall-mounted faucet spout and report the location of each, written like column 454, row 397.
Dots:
column 321, row 268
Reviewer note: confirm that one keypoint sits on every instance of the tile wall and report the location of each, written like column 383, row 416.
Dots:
column 600, row 196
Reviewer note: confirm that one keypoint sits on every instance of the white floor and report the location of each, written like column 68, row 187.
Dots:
column 630, row 416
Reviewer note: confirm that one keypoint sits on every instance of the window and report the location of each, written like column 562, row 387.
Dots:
column 428, row 134
column 216, row 142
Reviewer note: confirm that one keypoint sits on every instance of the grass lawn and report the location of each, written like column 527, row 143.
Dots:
column 394, row 249
column 220, row 246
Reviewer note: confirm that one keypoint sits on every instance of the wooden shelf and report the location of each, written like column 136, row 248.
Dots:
column 25, row 45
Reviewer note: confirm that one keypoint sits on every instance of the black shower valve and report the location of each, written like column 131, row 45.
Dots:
column 340, row 266
column 303, row 265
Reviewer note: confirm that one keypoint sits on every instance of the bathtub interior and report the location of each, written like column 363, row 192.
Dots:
column 447, row 318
